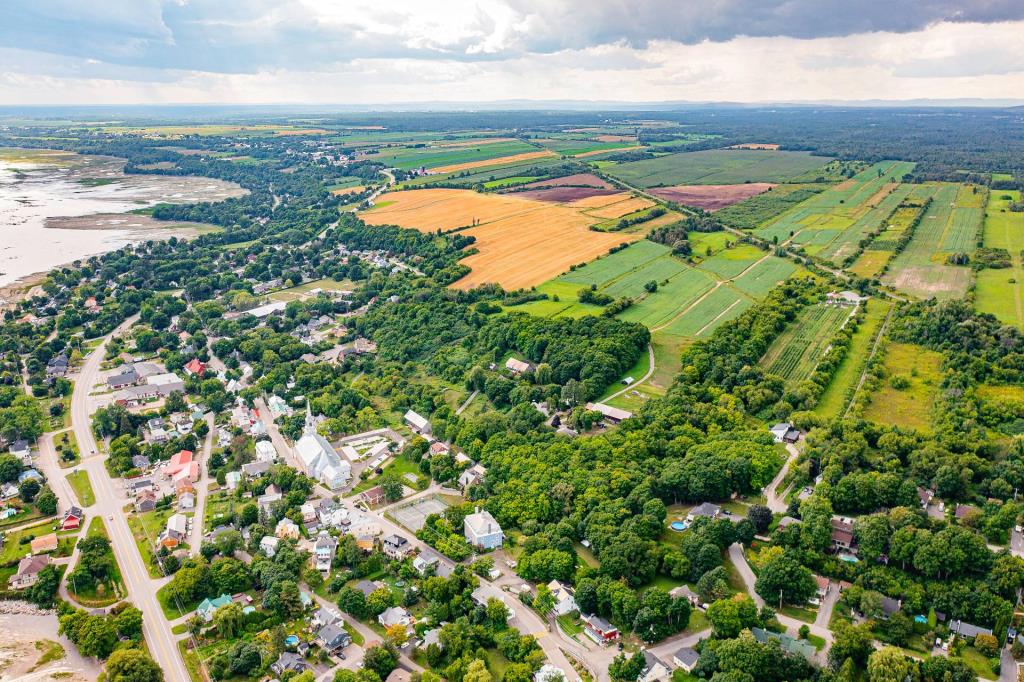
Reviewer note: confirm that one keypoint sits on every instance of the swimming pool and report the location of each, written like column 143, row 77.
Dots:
column 291, row 640
column 678, row 526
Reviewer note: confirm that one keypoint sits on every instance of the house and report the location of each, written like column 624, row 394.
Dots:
column 686, row 658
column 268, row 545
column 269, row 497
column 684, row 592
column 396, row 547
column 612, row 415
column 267, row 310
column 964, row 511
column 187, row 501
column 175, row 532
column 166, row 383
column 474, row 475
column 186, row 475
column 485, row 592
column 325, row 616
column 255, row 469
column 44, row 544
column 8, row 491
column 418, row 423
column 787, row 521
column 842, row 535
column 373, row 496
column 925, row 496
column 308, row 512
column 145, row 501
column 424, row 563
column 57, row 366
column 844, row 298
column 208, row 607
column 967, row 630
column 396, row 615
column 323, row 551
column 786, row 642
column 704, row 510
column 178, row 462
column 517, row 366
column 332, row 638
column 29, row 475
column 286, row 528
column 265, row 451
column 890, row 607
column 784, row 432
column 654, row 669
column 21, row 449
column 438, row 448
column 232, row 479
column 139, row 484
column 140, row 462
column 824, row 587
column 28, row 571
column 278, row 407
column 399, row 675
column 600, row 630
column 565, row 598
column 73, row 518
column 289, row 661
column 195, row 367
column 549, row 673
column 366, row 587
column 482, row 531
column 127, row 377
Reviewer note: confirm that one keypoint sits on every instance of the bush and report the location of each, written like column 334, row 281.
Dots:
column 986, row 644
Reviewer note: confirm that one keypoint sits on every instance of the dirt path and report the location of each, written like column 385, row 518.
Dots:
column 462, row 408
column 717, row 317
column 650, row 372
column 709, row 292
column 774, row 501
column 874, row 349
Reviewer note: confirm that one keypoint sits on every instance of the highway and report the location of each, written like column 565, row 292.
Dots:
column 141, row 589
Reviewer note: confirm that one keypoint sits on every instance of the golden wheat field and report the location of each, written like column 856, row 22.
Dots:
column 621, row 208
column 520, row 242
column 500, row 161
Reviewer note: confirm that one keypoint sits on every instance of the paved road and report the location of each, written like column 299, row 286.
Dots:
column 201, row 487
column 141, row 590
column 775, row 501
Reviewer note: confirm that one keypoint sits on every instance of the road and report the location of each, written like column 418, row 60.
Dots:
column 201, row 487
column 650, row 372
column 874, row 349
column 775, row 501
column 141, row 590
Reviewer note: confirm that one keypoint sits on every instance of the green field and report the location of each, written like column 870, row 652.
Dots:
column 715, row 167
column 1001, row 291
column 407, row 158
column 751, row 213
column 909, row 407
column 838, row 393
column 107, row 592
column 491, row 177
column 830, row 224
column 950, row 224
column 79, row 481
column 882, row 247
column 796, row 351
column 719, row 306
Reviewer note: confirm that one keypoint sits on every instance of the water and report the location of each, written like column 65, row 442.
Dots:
column 41, row 190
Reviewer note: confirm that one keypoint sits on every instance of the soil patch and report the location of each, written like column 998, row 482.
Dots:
column 711, row 197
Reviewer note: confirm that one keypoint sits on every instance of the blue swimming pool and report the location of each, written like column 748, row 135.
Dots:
column 291, row 640
column 678, row 525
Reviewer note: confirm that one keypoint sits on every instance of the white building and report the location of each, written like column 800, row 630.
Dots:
column 482, row 531
column 265, row 451
column 323, row 551
column 417, row 423
column 319, row 459
column 565, row 598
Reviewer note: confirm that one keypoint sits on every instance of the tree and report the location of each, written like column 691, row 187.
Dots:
column 986, row 644
column 10, row 468
column 623, row 669
column 477, row 672
column 132, row 665
column 228, row 620
column 381, row 660
column 760, row 516
column 729, row 616
column 129, row 623
column 787, row 580
column 42, row 593
column 28, row 489
column 888, row 665
column 392, row 487
column 544, row 601
column 855, row 642
column 46, row 502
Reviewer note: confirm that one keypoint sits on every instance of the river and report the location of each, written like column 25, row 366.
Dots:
column 58, row 207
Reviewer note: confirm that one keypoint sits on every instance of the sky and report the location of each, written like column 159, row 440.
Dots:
column 401, row 51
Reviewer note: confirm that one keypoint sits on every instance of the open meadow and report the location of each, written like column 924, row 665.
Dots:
column 1000, row 291
column 909, row 388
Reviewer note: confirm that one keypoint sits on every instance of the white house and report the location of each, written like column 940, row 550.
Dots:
column 323, row 551
column 265, row 451
column 417, row 423
column 482, row 531
column 268, row 545
column 565, row 599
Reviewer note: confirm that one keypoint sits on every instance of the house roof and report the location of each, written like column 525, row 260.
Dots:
column 890, row 605
column 393, row 616
column 687, row 656
column 482, row 523
column 417, row 420
column 44, row 543
column 706, row 509
column 366, row 587
column 609, row 411
column 968, row 629
column 33, row 564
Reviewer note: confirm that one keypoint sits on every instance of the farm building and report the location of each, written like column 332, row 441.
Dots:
column 611, row 414
column 417, row 423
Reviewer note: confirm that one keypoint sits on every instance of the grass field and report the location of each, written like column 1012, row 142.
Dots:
column 830, row 224
column 715, row 167
column 950, row 224
column 80, row 483
column 796, row 352
column 520, row 242
column 110, row 591
column 304, row 290
column 751, row 213
column 452, row 159
column 1001, row 291
column 837, row 394
column 909, row 407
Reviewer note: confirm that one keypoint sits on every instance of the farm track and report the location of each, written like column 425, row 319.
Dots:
column 710, row 291
column 650, row 373
column 874, row 349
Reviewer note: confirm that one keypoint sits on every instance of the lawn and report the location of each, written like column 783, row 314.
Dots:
column 803, row 613
column 80, row 483
column 146, row 527
column 981, row 665
column 66, row 444
column 838, row 393
column 110, row 591
column 1001, row 291
column 570, row 624
column 399, row 467
column 16, row 542
column 909, row 407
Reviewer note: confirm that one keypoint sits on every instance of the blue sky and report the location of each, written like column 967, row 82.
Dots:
column 386, row 51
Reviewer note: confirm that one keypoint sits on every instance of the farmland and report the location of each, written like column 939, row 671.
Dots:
column 950, row 224
column 796, row 352
column 711, row 197
column 831, row 224
column 1001, row 291
column 520, row 242
column 838, row 393
column 715, row 167
column 454, row 159
column 753, row 212
column 909, row 407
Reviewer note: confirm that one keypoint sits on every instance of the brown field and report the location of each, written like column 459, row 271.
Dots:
column 597, row 152
column 520, row 242
column 599, row 201
column 616, row 138
column 502, row 160
column 561, row 195
column 348, row 190
column 577, row 180
column 711, row 197
column 755, row 145
column 474, row 143
column 621, row 208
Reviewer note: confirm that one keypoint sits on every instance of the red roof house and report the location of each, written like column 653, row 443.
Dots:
column 195, row 367
column 178, row 462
